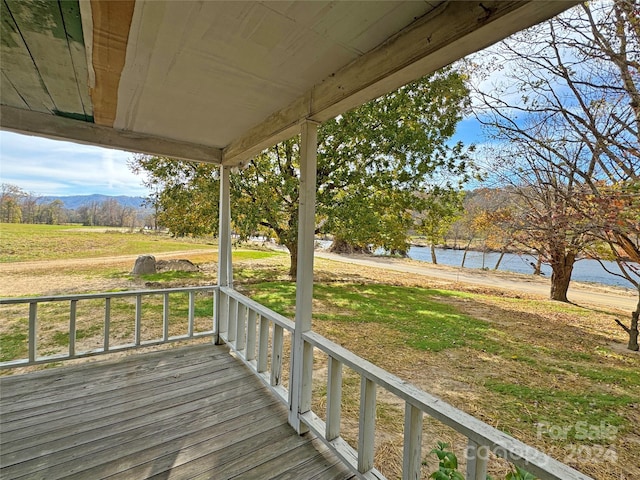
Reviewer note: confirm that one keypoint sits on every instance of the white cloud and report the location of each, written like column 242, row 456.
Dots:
column 51, row 167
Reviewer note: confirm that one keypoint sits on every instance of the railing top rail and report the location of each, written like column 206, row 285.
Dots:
column 278, row 319
column 500, row 443
column 92, row 296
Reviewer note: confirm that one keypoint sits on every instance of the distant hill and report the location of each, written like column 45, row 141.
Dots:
column 74, row 202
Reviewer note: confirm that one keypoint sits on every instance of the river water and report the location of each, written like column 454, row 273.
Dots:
column 585, row 270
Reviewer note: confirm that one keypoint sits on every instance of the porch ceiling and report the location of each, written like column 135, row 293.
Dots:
column 219, row 81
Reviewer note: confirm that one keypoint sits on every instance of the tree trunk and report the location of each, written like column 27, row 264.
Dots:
column 499, row 259
column 464, row 255
column 293, row 255
column 561, row 268
column 632, row 330
column 340, row 245
column 434, row 260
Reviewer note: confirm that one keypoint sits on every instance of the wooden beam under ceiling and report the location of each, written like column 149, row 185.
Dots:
column 61, row 128
column 453, row 30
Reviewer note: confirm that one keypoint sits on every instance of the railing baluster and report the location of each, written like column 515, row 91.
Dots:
column 72, row 327
column 412, row 456
column 192, row 313
column 107, row 323
column 241, row 327
column 137, row 333
column 251, row 335
column 334, row 399
column 33, row 331
column 276, row 356
column 263, row 345
column 477, row 461
column 367, row 425
column 233, row 319
column 223, row 315
column 165, row 317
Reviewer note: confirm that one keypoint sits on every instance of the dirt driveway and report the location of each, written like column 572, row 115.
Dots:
column 579, row 293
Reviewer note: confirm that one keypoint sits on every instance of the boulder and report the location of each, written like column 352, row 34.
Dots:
column 176, row 265
column 145, row 264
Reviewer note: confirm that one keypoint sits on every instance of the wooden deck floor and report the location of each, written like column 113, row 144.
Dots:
column 190, row 412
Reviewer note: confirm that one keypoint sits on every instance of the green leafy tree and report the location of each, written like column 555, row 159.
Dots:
column 372, row 161
column 441, row 211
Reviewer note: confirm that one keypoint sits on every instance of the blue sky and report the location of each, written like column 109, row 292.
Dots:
column 51, row 167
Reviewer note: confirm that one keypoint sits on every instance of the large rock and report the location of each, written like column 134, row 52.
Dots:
column 145, row 264
column 179, row 265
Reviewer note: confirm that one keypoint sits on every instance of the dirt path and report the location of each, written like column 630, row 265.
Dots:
column 16, row 283
column 579, row 293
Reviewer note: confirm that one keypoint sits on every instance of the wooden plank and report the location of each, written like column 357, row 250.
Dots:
column 85, row 397
column 412, row 451
column 252, row 326
column 61, row 128
column 296, row 462
column 33, row 331
column 366, row 425
column 192, row 458
column 334, row 399
column 117, row 452
column 14, row 388
column 9, row 95
column 204, row 418
column 18, row 66
column 161, row 428
column 105, row 413
column 276, row 356
column 111, row 26
column 43, row 30
column 302, row 353
column 431, row 42
column 71, row 17
column 261, row 448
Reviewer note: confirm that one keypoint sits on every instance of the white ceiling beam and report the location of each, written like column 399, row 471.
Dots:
column 450, row 32
column 61, row 128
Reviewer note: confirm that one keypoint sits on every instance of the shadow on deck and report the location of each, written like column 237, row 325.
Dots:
column 189, row 412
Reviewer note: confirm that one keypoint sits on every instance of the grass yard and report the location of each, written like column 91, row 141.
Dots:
column 554, row 375
column 24, row 242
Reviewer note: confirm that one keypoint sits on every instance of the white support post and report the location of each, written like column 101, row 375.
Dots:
column 477, row 461
column 225, row 270
column 412, row 456
column 334, row 399
column 366, row 425
column 302, row 359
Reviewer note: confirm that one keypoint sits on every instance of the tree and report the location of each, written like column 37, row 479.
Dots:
column 10, row 211
column 438, row 217
column 573, row 87
column 371, row 163
column 185, row 197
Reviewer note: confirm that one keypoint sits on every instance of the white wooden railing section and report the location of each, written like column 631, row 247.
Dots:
column 242, row 321
column 258, row 337
column 108, row 344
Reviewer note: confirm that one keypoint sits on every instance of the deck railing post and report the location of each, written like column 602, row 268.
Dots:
column 412, row 455
column 33, row 331
column 477, row 461
column 334, row 399
column 72, row 327
column 367, row 425
column 225, row 270
column 302, row 358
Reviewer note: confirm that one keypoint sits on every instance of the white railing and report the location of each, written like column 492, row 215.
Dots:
column 263, row 340
column 258, row 336
column 242, row 321
column 108, row 344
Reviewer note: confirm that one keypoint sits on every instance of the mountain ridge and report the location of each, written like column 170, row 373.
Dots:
column 73, row 202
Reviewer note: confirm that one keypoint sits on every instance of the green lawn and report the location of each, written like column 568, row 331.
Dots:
column 22, row 242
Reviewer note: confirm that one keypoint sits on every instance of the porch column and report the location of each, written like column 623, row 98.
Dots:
column 225, row 267
column 302, row 358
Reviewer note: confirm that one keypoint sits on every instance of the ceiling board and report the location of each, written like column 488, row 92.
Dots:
column 59, row 76
column 18, row 66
